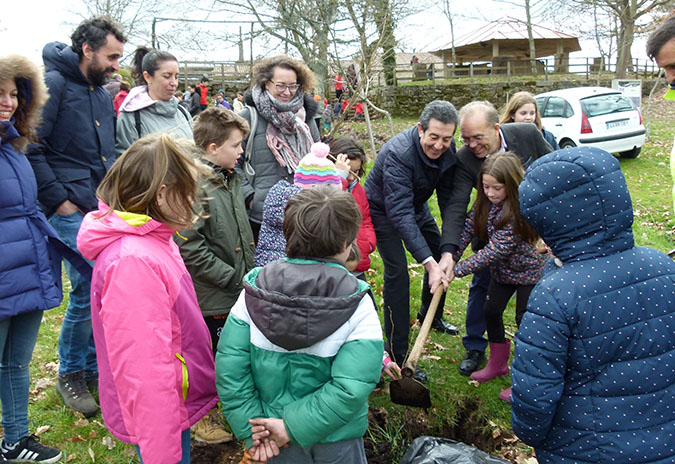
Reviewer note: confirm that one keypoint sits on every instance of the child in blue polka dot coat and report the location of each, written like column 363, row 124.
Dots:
column 594, row 369
column 514, row 262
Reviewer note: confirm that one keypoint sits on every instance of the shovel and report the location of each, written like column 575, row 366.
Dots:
column 408, row 391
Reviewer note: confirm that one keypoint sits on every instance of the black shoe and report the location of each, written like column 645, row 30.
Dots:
column 29, row 449
column 75, row 395
column 471, row 362
column 91, row 383
column 439, row 325
column 420, row 376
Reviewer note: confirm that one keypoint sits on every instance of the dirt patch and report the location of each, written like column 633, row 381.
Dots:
column 225, row 453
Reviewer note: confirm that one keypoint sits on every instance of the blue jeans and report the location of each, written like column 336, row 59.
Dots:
column 17, row 341
column 185, row 445
column 76, row 342
column 475, row 319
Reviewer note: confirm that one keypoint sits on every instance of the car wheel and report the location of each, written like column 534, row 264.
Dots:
column 567, row 144
column 630, row 154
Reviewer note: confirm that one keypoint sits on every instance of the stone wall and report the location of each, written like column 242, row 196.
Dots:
column 408, row 101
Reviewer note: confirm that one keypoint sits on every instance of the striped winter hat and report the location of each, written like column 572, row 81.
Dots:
column 315, row 168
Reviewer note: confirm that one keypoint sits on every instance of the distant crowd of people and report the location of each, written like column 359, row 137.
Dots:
column 217, row 257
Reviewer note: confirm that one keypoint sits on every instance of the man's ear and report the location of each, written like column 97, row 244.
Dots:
column 87, row 50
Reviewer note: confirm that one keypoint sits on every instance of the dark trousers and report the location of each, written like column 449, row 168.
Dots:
column 215, row 325
column 396, row 289
column 498, row 297
column 475, row 320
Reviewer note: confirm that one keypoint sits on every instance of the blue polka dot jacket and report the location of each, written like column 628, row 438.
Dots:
column 594, row 369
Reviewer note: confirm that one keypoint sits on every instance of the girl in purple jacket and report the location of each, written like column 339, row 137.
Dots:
column 514, row 261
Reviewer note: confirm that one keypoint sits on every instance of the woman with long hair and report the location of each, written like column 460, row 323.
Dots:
column 151, row 106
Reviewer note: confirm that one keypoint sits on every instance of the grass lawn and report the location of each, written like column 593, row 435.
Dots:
column 460, row 410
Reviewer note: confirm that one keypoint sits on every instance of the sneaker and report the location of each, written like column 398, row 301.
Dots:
column 29, row 449
column 75, row 395
column 210, row 429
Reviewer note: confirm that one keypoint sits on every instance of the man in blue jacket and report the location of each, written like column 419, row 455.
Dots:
column 409, row 168
column 75, row 149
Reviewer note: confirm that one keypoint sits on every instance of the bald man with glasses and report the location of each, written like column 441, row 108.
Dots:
column 482, row 136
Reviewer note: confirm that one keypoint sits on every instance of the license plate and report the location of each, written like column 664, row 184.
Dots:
column 619, row 123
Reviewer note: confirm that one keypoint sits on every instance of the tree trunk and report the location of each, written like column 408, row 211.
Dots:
column 385, row 26
column 530, row 39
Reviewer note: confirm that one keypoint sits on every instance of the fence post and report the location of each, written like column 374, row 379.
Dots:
column 587, row 69
column 471, row 71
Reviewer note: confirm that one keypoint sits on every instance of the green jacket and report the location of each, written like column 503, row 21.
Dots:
column 218, row 251
column 303, row 343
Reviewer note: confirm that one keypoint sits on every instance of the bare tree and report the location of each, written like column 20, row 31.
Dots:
column 447, row 11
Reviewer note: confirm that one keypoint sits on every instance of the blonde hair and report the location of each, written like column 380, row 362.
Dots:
column 517, row 101
column 134, row 181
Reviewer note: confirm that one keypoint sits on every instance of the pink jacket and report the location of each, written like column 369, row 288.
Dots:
column 156, row 367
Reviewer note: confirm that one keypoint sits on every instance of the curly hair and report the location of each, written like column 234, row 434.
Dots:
column 94, row 31
column 264, row 70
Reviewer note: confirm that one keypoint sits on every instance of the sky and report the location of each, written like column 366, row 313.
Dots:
column 26, row 26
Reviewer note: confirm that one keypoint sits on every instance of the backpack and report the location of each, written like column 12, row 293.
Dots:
column 137, row 118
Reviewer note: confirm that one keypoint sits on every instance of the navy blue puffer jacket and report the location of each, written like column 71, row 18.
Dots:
column 403, row 178
column 30, row 270
column 594, row 370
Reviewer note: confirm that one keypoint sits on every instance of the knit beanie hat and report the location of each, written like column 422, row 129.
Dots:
column 314, row 168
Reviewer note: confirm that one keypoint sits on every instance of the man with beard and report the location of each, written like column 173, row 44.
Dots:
column 76, row 146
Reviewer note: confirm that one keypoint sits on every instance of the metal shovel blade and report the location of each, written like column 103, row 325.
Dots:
column 409, row 392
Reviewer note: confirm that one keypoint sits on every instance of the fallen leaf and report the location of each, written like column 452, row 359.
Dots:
column 431, row 357
column 496, row 433
column 439, row 347
column 43, row 382
column 93, row 434
column 91, row 454
column 474, row 383
column 108, row 442
column 71, row 457
column 82, row 422
column 77, row 438
column 42, row 429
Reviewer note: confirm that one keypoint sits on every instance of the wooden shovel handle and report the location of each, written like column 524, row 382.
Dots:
column 413, row 357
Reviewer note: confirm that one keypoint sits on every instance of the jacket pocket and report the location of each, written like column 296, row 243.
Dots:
column 185, row 384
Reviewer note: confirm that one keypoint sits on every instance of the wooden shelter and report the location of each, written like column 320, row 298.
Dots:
column 506, row 41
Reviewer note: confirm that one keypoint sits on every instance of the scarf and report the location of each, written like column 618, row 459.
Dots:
column 288, row 137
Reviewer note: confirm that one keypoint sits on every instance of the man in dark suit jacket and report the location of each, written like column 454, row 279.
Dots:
column 482, row 136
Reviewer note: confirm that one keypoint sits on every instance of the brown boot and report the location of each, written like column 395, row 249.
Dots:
column 210, row 429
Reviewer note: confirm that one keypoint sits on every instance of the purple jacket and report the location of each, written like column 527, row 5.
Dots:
column 156, row 367
column 511, row 260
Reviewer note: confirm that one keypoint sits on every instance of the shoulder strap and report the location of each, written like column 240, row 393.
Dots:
column 185, row 113
column 137, row 118
column 248, row 169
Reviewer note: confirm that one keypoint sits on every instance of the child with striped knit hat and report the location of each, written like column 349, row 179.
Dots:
column 313, row 169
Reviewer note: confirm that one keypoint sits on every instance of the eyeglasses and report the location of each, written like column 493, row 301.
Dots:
column 475, row 138
column 283, row 87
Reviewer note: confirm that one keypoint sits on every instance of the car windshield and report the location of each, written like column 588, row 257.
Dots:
column 598, row 105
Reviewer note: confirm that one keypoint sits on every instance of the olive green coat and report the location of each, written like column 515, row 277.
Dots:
column 218, row 251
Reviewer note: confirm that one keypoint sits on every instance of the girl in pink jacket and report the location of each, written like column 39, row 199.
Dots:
column 156, row 368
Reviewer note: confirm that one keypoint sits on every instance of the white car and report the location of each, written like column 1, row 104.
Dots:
column 593, row 116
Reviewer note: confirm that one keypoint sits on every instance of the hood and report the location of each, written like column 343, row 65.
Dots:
column 32, row 97
column 311, row 106
column 98, row 230
column 578, row 202
column 292, row 310
column 60, row 57
column 139, row 98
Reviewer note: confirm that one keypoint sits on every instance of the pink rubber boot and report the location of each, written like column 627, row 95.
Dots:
column 505, row 395
column 498, row 364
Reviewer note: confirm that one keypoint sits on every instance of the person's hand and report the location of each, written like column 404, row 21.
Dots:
column 270, row 428
column 342, row 162
column 66, row 208
column 267, row 449
column 447, row 264
column 437, row 277
column 392, row 370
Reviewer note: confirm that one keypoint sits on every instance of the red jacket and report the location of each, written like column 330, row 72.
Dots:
column 338, row 83
column 366, row 236
column 204, row 92
column 119, row 98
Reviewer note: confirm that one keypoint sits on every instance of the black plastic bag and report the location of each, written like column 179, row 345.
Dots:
column 433, row 450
